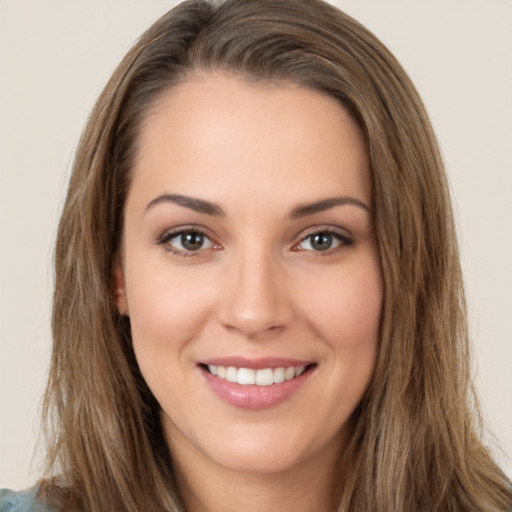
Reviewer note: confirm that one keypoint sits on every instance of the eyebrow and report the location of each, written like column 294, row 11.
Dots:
column 302, row 210
column 198, row 205
column 213, row 209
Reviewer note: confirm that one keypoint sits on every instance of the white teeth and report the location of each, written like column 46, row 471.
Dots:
column 246, row 376
column 232, row 374
column 289, row 373
column 263, row 377
column 299, row 370
column 278, row 375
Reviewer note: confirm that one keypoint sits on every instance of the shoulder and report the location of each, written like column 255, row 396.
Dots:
column 22, row 501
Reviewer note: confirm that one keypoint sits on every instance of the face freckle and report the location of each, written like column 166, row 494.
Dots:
column 248, row 243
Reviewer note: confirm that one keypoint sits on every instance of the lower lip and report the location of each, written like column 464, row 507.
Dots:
column 255, row 397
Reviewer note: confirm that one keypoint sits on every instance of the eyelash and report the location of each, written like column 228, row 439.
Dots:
column 169, row 235
column 344, row 241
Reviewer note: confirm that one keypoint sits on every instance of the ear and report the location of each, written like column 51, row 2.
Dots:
column 119, row 288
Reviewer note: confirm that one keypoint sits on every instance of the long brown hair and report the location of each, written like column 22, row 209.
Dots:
column 416, row 444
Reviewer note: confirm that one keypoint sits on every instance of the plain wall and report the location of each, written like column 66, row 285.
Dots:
column 56, row 55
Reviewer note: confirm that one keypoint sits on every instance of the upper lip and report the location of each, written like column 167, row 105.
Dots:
column 256, row 363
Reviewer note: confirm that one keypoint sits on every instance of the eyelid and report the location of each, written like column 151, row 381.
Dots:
column 344, row 238
column 169, row 234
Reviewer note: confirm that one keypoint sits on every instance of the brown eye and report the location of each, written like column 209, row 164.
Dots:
column 324, row 241
column 192, row 241
column 187, row 241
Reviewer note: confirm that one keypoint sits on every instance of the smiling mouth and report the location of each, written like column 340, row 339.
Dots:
column 260, row 377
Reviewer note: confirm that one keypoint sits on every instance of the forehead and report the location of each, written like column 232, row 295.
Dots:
column 217, row 136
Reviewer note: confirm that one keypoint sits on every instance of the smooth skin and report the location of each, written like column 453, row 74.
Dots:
column 252, row 280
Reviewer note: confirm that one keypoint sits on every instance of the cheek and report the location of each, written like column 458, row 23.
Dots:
column 167, row 313
column 346, row 309
column 165, row 304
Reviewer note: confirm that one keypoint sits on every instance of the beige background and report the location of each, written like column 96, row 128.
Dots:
column 55, row 57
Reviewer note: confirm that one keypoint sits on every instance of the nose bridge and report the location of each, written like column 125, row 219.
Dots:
column 255, row 297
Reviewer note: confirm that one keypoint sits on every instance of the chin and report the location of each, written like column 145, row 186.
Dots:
column 268, row 450
column 262, row 462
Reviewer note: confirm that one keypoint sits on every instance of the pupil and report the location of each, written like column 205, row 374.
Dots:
column 192, row 241
column 322, row 241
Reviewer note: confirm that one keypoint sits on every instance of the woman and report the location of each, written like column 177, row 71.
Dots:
column 258, row 295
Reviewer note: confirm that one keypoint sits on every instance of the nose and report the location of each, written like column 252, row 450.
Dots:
column 256, row 300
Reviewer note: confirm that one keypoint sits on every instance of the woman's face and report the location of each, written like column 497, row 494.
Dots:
column 250, row 272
